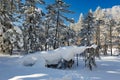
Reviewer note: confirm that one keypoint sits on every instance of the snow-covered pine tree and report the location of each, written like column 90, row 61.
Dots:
column 7, row 8
column 58, row 9
column 98, row 15
column 110, row 23
column 87, row 34
column 33, row 26
column 118, row 37
column 68, row 37
column 78, row 26
column 49, row 24
column 87, row 31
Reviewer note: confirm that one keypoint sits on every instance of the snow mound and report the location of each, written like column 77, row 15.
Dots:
column 32, row 59
column 54, row 56
column 29, row 61
column 51, row 57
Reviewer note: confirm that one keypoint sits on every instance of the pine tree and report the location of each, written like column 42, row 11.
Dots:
column 58, row 9
column 86, row 32
column 118, row 37
column 110, row 23
column 98, row 23
column 69, row 37
column 49, row 24
column 32, row 25
column 87, row 35
column 7, row 8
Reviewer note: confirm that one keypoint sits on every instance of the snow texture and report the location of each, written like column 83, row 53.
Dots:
column 11, row 69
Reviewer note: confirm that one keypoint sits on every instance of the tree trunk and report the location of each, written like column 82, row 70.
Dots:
column 56, row 44
column 105, row 49
column 111, row 40
column 46, row 34
column 77, row 59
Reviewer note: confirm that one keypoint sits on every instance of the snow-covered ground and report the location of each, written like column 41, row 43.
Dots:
column 11, row 69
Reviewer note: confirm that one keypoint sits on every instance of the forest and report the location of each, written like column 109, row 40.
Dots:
column 25, row 28
column 41, row 40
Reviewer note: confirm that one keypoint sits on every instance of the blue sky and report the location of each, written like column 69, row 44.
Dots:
column 83, row 6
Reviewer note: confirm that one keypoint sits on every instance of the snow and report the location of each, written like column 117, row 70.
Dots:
column 39, row 10
column 1, row 30
column 10, row 30
column 29, row 61
column 18, row 30
column 54, row 56
column 112, row 12
column 27, row 76
column 94, row 46
column 32, row 66
column 11, row 69
column 51, row 58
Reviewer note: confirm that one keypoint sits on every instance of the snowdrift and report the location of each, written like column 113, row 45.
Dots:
column 54, row 56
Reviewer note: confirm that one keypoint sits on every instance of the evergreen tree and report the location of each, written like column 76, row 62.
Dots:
column 32, row 25
column 118, row 29
column 49, row 24
column 87, row 35
column 87, row 31
column 58, row 9
column 98, row 23
column 7, row 8
column 110, row 23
